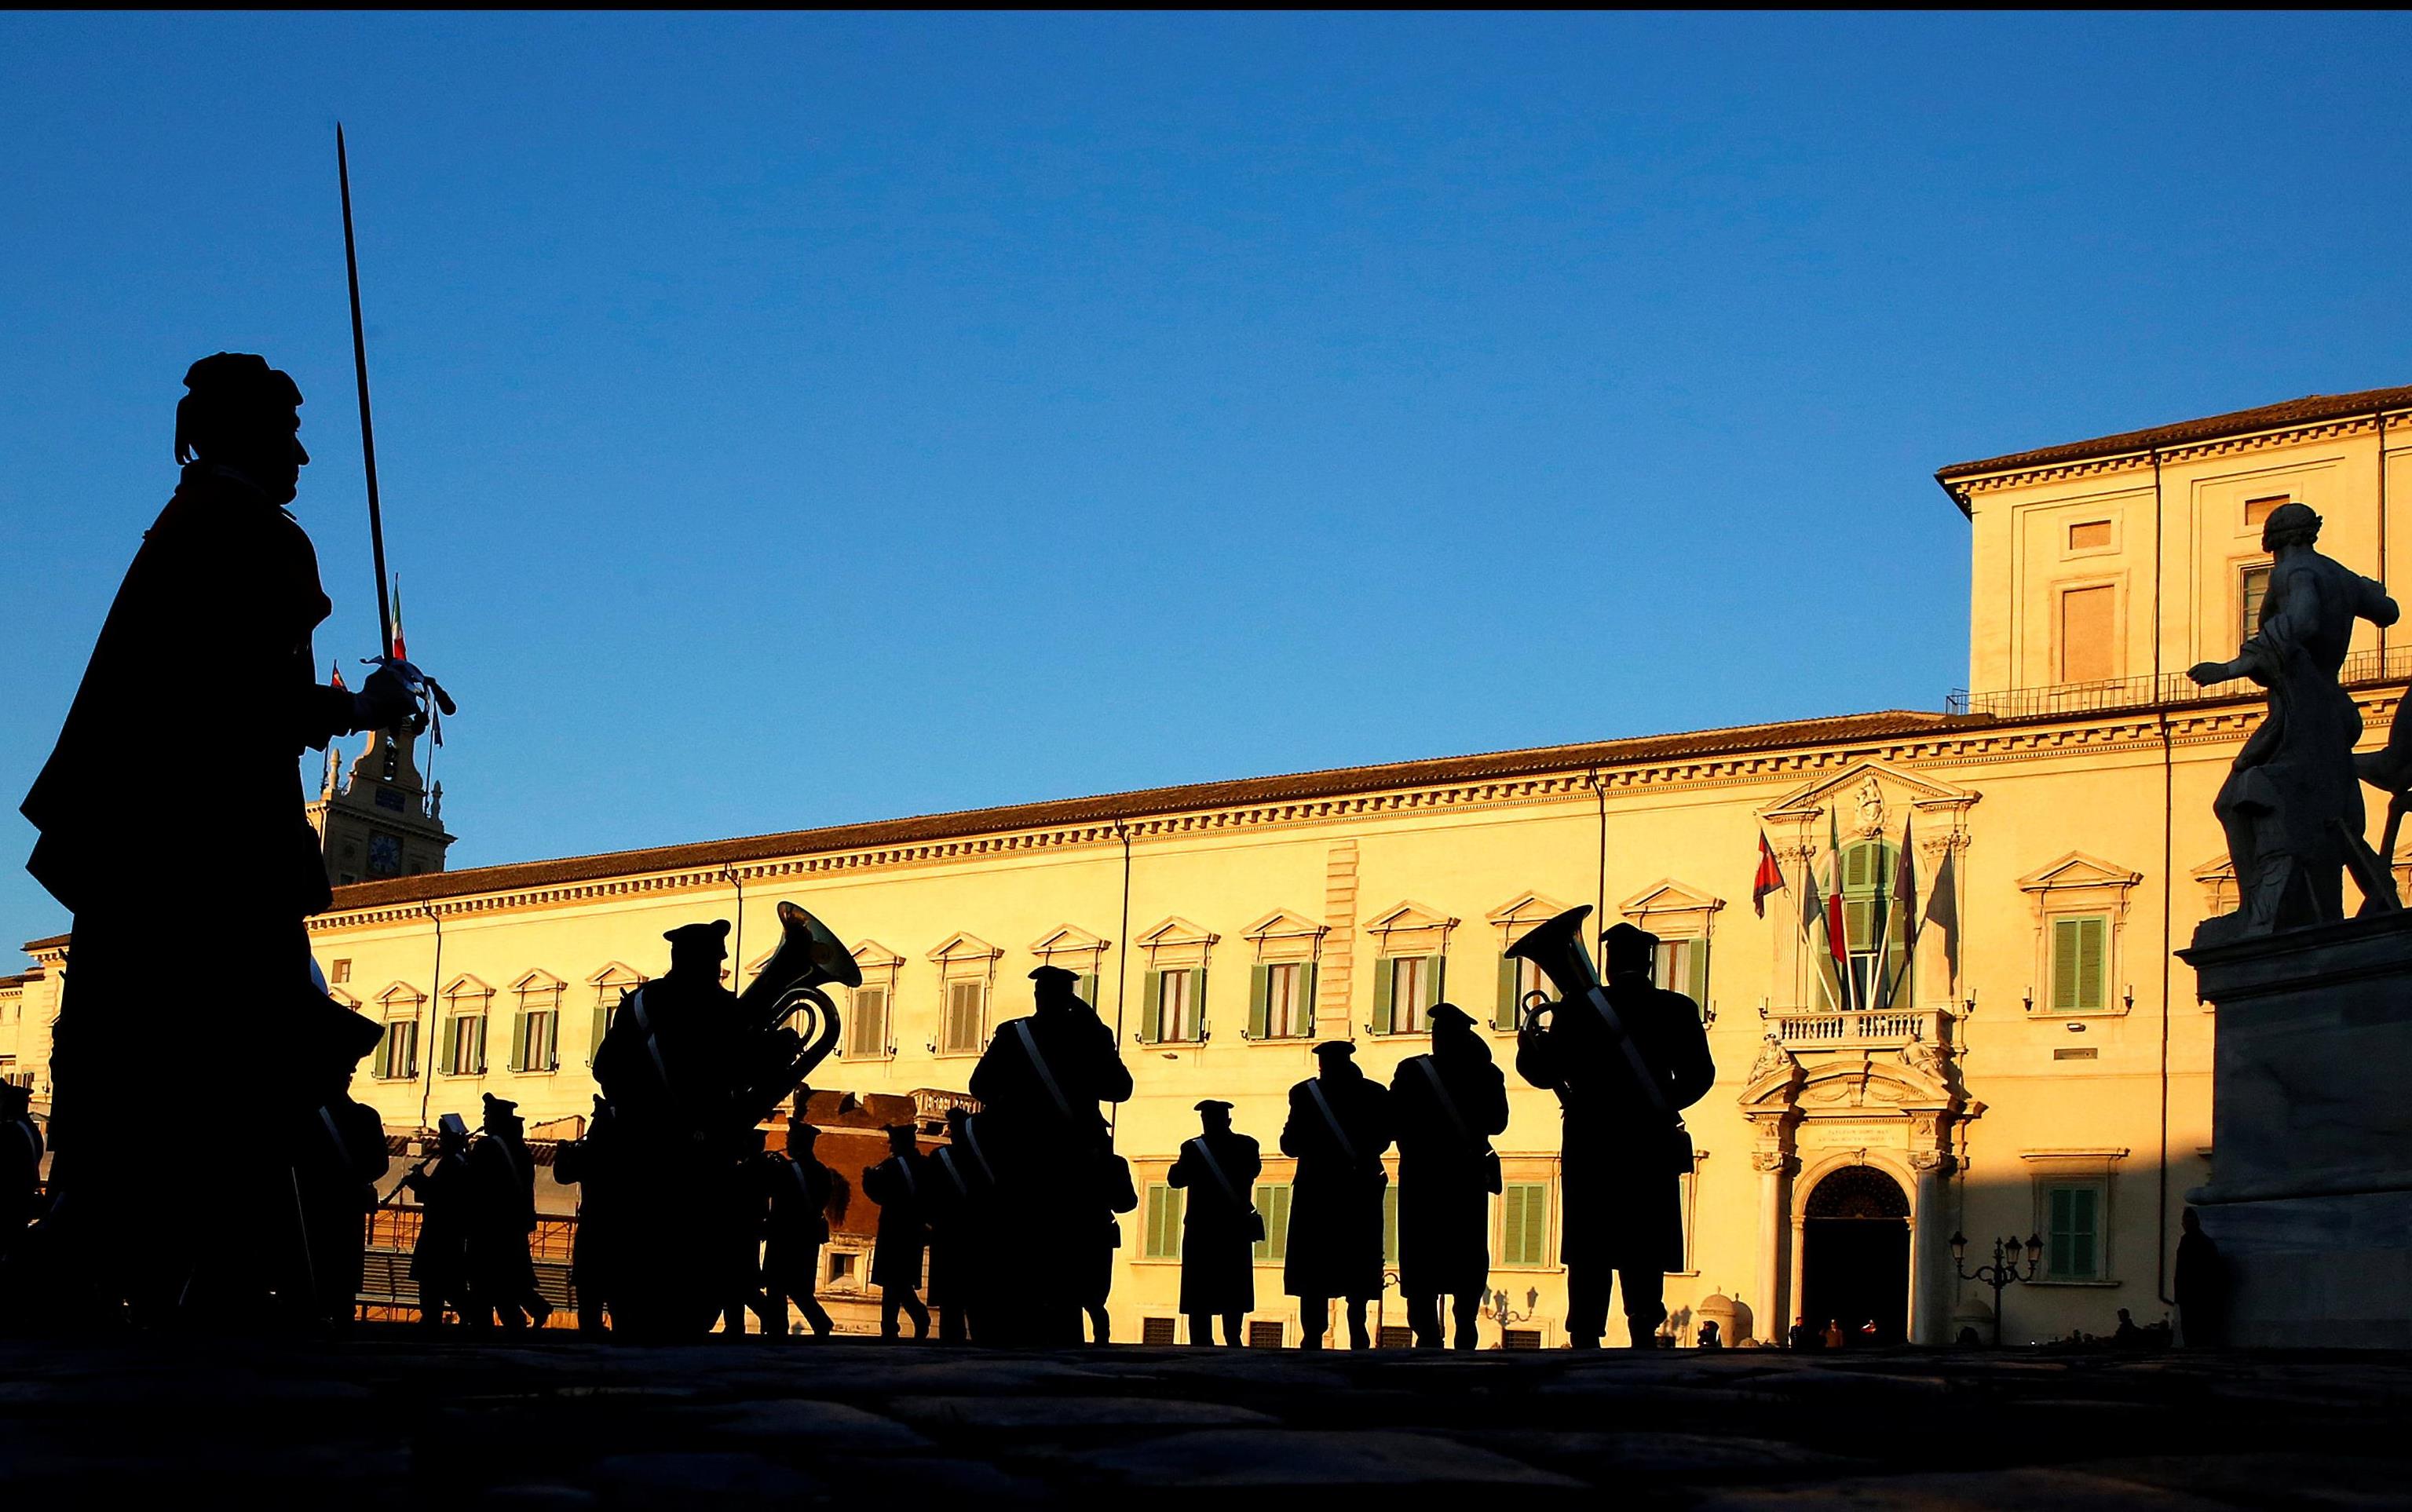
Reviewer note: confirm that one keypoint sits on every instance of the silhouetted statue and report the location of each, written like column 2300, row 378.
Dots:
column 20, row 1165
column 1338, row 1127
column 1121, row 1196
column 439, row 1261
column 591, row 1163
column 1710, row 1336
column 800, row 1190
column 900, row 1185
column 2201, row 1283
column 502, row 1215
column 1220, row 1225
column 664, row 1064
column 962, row 1203
column 1039, row 1083
column 1626, row 1148
column 1446, row 1107
column 227, row 571
column 2293, row 803
column 336, row 1155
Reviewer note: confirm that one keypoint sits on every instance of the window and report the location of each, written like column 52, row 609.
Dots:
column 1875, row 932
column 1524, row 1223
column 841, row 1269
column 2257, row 511
column 1159, row 1331
column 1390, row 1224
column 1273, row 1202
column 464, row 1045
column 2087, row 654
column 2072, row 1245
column 866, row 1033
column 1084, row 986
column 1265, row 1334
column 1281, row 1001
column 1519, row 980
column 1520, row 1339
column 967, row 1011
column 1405, row 990
column 2252, row 589
column 2089, row 535
column 1163, row 1222
column 1172, row 1006
column 2080, row 963
column 1395, row 1336
column 534, row 1041
column 341, row 970
column 1681, row 965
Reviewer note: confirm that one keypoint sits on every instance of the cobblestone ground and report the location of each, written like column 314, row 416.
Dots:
column 390, row 1421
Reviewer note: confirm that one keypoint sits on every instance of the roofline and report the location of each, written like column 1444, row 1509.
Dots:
column 2288, row 415
column 1110, row 807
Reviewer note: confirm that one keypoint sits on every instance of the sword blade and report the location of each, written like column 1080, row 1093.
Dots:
column 361, row 375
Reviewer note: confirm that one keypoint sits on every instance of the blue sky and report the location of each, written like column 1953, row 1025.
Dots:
column 788, row 420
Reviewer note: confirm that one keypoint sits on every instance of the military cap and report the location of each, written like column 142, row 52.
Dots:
column 1627, row 947
column 1450, row 1013
column 715, row 933
column 500, row 1107
column 15, row 1092
column 1212, row 1104
column 1340, row 1048
column 1053, row 975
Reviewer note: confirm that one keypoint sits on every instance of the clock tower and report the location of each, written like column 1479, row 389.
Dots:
column 383, row 820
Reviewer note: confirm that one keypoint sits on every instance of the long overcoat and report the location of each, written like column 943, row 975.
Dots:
column 799, row 1190
column 1218, row 1262
column 1620, row 1181
column 1443, row 1169
column 900, row 1185
column 1335, row 1206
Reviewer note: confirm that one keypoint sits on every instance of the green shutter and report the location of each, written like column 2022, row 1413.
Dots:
column 2061, row 1260
column 1085, row 985
column 1437, row 972
column 1511, row 1226
column 1382, row 995
column 1536, row 1225
column 1859, row 923
column 1307, row 989
column 2064, row 963
column 1505, row 1015
column 2093, row 961
column 602, row 1024
column 1272, row 1199
column 1198, row 1004
column 1699, row 986
column 1260, row 979
column 1150, row 1006
column 519, row 1042
column 1390, row 1224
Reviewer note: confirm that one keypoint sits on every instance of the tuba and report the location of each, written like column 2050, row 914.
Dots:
column 774, row 1059
column 1556, row 946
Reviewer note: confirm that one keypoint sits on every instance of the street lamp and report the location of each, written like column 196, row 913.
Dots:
column 1496, row 1305
column 2002, row 1272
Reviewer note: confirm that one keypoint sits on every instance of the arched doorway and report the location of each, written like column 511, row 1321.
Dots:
column 1855, row 1254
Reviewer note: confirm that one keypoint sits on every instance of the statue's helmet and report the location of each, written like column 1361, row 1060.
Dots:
column 233, row 394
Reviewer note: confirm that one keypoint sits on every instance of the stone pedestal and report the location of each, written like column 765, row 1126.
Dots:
column 2310, row 1200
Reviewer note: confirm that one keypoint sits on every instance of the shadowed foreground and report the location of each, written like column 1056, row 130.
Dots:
column 386, row 1421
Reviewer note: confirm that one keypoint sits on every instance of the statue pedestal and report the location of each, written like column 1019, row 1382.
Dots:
column 2310, row 1200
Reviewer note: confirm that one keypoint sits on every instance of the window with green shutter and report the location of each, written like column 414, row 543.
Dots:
column 1405, row 990
column 1163, row 1222
column 1868, row 911
column 1272, row 1203
column 1390, row 1224
column 1681, row 965
column 1174, row 1007
column 1524, row 1223
column 1519, row 980
column 1280, row 999
column 866, row 1027
column 2080, row 963
column 2073, row 1231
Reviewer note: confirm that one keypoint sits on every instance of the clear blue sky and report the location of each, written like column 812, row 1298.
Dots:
column 792, row 420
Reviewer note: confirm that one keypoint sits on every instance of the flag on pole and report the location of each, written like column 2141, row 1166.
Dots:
column 1838, row 938
column 1770, row 877
column 1943, row 908
column 1900, row 903
column 1813, row 933
column 337, row 668
column 398, row 652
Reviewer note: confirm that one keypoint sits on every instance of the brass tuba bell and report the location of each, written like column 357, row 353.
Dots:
column 1556, row 946
column 777, row 1059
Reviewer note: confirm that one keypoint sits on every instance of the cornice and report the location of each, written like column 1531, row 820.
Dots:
column 2141, row 459
column 2123, row 732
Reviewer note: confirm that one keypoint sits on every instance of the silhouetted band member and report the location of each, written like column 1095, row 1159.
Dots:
column 336, row 1155
column 2201, row 1283
column 590, row 1164
column 962, row 1206
column 1339, row 1124
column 799, row 1189
column 502, row 1215
column 224, row 574
column 1446, row 1107
column 439, row 1262
column 20, row 1163
column 1121, row 1196
column 666, row 1065
column 1039, row 1083
column 1220, row 1224
column 1624, row 1151
column 900, row 1185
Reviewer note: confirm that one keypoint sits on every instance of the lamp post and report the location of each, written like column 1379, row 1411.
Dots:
column 1496, row 1305
column 2002, row 1272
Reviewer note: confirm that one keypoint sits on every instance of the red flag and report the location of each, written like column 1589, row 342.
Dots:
column 337, row 668
column 1770, row 877
column 1837, row 942
column 398, row 652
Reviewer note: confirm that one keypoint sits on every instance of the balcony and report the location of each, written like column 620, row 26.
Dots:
column 1800, row 1029
column 2361, row 668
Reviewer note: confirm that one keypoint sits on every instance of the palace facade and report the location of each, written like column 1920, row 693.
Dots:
column 2022, row 1057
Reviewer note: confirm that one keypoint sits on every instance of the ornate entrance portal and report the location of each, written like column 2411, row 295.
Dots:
column 1855, row 1259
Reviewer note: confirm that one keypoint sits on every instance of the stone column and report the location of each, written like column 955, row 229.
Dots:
column 1931, row 1271
column 1770, row 1301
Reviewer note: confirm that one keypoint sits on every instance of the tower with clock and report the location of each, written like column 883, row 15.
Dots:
column 381, row 820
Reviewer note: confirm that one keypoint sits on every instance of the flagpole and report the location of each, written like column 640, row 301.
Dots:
column 360, row 376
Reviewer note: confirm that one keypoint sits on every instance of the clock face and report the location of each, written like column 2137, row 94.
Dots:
column 385, row 856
